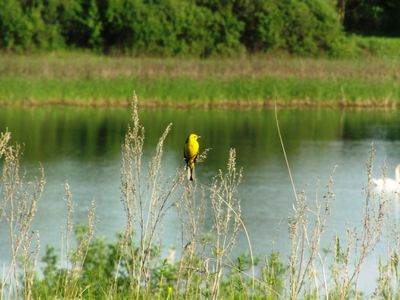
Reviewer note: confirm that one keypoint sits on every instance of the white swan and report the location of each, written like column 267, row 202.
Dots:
column 389, row 189
column 389, row 186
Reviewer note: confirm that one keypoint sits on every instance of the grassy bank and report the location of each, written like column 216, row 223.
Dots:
column 90, row 80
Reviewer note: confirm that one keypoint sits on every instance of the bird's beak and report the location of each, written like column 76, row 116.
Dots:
column 198, row 136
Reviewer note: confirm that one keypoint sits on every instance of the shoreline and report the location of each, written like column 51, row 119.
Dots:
column 228, row 104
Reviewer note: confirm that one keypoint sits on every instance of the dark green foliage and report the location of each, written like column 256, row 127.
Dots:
column 311, row 26
column 200, row 28
column 96, row 275
column 15, row 31
column 373, row 17
column 166, row 28
column 170, row 27
column 297, row 26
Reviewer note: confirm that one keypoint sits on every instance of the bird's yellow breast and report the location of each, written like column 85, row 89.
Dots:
column 191, row 148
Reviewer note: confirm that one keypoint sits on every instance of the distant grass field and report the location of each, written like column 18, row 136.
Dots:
column 91, row 80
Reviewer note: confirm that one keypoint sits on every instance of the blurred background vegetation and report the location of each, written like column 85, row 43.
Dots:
column 200, row 28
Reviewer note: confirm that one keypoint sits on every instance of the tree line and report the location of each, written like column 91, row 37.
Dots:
column 193, row 27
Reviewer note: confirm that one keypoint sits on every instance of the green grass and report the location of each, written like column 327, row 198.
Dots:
column 375, row 46
column 96, row 280
column 184, row 90
column 89, row 79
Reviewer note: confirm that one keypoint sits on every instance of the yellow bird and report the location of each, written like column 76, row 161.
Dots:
column 190, row 153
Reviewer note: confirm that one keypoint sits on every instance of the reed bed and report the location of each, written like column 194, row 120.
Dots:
column 89, row 65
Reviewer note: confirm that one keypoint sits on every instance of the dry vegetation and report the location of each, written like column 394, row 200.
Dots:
column 277, row 66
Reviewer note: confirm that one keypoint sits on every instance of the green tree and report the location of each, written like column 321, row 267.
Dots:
column 15, row 28
column 93, row 26
column 44, row 25
column 308, row 27
column 174, row 27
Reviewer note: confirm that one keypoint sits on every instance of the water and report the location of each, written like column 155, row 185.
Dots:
column 83, row 147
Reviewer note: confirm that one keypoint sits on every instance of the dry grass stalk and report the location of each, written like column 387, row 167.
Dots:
column 145, row 204
column 305, row 236
column 18, row 206
column 226, row 216
column 4, row 140
column 360, row 242
column 75, row 258
column 192, row 268
column 305, row 231
column 196, row 269
column 191, row 210
column 388, row 283
column 70, row 223
column 131, row 165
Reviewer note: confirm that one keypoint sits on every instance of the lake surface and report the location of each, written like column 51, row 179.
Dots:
column 83, row 147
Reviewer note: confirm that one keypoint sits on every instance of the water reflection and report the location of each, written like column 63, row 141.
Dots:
column 83, row 146
column 86, row 133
